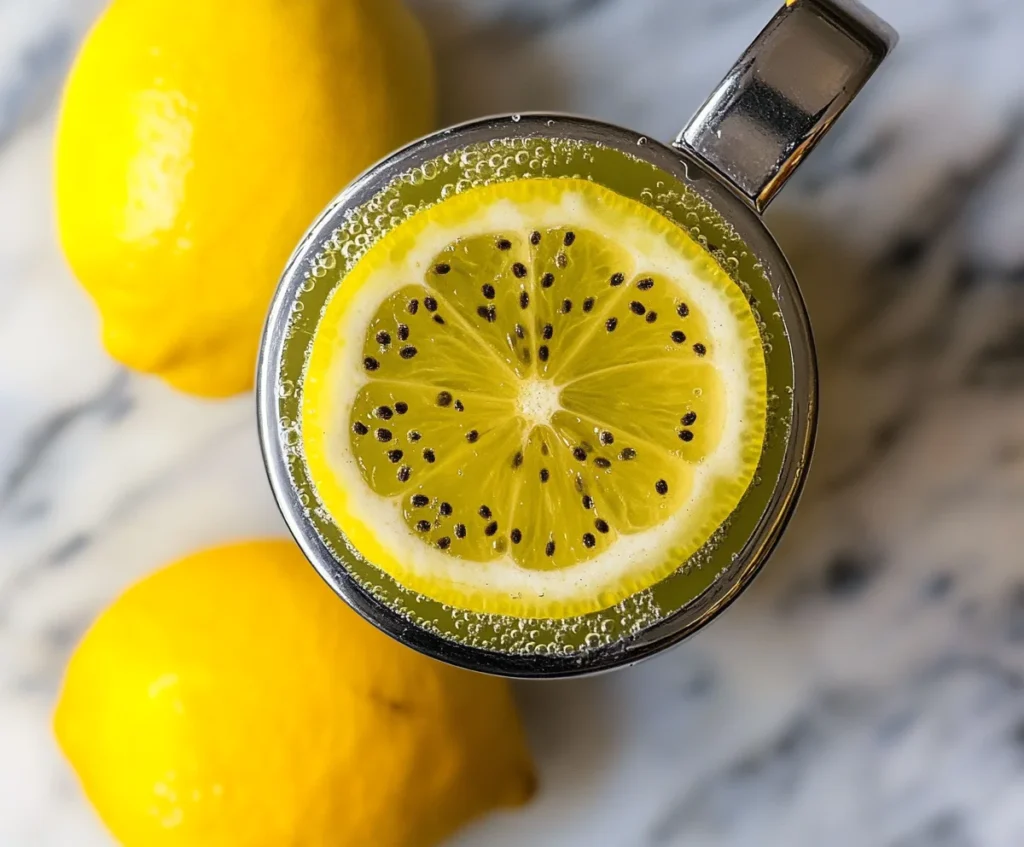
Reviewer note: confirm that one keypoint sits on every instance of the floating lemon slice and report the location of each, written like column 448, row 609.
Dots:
column 536, row 398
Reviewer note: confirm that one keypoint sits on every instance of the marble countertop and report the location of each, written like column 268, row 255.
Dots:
column 868, row 690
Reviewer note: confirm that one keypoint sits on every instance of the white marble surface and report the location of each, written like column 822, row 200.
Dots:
column 868, row 690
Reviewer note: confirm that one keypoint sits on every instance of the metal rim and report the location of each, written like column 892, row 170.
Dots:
column 710, row 603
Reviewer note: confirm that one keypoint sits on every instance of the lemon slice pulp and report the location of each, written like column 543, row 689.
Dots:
column 536, row 398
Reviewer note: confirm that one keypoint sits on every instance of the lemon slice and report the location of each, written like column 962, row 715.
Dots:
column 535, row 398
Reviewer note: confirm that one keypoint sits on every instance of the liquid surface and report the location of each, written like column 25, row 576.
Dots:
column 696, row 582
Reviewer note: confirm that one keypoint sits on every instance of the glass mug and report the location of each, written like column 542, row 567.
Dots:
column 716, row 179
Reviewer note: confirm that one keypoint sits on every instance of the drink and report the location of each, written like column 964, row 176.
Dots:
column 537, row 394
column 462, row 446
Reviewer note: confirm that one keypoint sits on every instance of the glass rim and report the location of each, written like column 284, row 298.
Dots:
column 756, row 548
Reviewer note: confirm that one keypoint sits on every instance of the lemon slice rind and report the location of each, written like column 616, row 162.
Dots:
column 374, row 525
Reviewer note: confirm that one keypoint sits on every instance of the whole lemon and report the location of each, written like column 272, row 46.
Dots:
column 232, row 700
column 197, row 141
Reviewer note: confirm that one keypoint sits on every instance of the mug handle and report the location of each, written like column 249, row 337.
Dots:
column 785, row 93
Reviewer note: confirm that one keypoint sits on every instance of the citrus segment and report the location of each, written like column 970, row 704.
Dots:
column 687, row 424
column 410, row 339
column 414, row 430
column 535, row 398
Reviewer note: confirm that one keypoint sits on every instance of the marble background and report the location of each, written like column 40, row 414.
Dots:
column 868, row 690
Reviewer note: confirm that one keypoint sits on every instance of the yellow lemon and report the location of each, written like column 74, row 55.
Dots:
column 198, row 139
column 232, row 700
